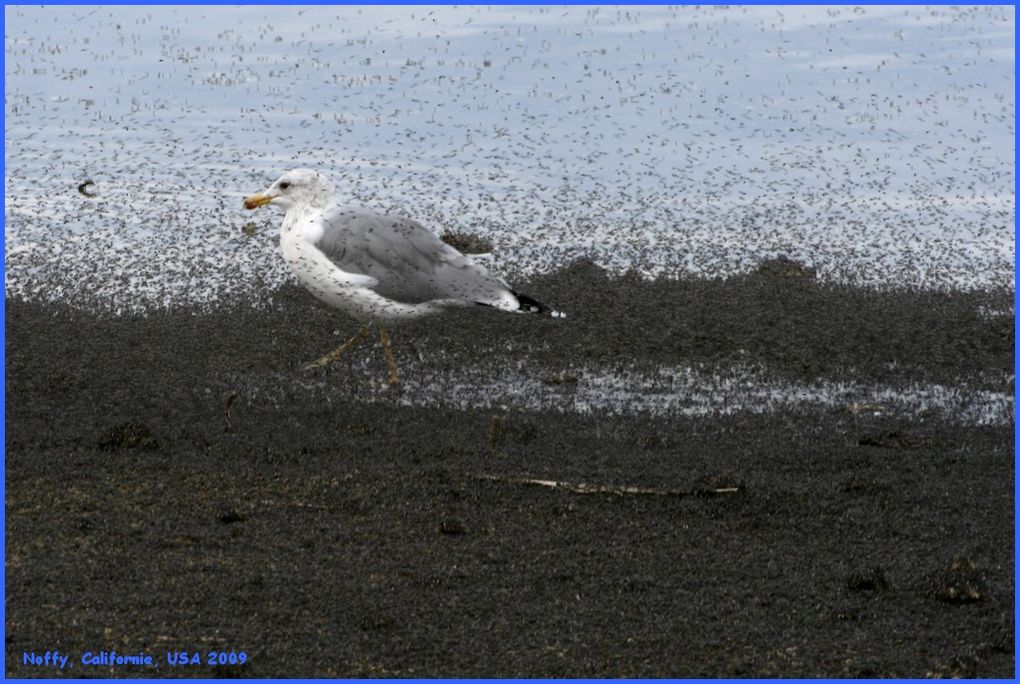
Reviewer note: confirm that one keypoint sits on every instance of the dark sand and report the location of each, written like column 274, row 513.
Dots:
column 355, row 539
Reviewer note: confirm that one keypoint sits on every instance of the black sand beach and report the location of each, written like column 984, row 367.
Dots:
column 346, row 538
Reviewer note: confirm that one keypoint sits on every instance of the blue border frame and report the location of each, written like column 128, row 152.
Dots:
column 3, row 457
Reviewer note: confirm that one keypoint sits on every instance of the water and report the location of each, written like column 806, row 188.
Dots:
column 874, row 144
column 665, row 392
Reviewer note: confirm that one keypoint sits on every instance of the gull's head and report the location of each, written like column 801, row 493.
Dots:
column 298, row 187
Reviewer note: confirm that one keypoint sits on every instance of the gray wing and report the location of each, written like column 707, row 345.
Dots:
column 410, row 263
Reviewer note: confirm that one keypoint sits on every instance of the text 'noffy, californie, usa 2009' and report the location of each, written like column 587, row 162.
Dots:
column 61, row 661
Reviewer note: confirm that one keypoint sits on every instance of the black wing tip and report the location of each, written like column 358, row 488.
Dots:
column 529, row 305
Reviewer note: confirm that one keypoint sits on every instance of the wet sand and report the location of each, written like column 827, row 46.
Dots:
column 345, row 538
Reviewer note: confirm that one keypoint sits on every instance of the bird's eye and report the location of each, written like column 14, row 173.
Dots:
column 284, row 185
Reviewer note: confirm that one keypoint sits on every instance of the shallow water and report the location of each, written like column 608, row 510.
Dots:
column 874, row 144
column 662, row 393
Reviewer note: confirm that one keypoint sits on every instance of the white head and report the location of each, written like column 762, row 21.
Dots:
column 298, row 187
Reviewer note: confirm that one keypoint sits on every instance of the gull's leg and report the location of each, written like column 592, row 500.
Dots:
column 391, row 361
column 336, row 354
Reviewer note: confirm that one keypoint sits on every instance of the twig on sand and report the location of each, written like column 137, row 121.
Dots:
column 619, row 490
column 228, row 401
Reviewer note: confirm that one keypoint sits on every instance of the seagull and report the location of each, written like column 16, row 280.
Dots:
column 377, row 268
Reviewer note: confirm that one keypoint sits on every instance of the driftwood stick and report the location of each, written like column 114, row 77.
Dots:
column 619, row 490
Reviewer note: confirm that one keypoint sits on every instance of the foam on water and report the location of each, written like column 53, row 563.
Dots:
column 874, row 144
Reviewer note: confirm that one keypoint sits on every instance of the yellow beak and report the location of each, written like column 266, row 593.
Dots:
column 255, row 201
